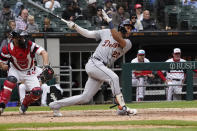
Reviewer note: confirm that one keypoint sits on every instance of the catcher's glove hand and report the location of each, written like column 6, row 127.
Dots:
column 47, row 74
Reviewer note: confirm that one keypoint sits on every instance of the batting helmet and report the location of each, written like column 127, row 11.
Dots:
column 124, row 23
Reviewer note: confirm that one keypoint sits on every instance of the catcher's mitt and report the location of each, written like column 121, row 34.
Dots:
column 47, row 74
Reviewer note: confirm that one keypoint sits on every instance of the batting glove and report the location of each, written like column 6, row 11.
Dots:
column 106, row 17
column 71, row 25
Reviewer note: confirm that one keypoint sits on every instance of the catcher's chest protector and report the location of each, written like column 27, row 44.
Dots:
column 55, row 94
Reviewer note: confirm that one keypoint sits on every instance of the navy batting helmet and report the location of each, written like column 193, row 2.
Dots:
column 124, row 23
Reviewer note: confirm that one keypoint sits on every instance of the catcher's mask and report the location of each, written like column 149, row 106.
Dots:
column 125, row 27
column 22, row 37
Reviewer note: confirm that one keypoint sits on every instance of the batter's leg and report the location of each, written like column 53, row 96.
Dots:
column 98, row 71
column 91, row 88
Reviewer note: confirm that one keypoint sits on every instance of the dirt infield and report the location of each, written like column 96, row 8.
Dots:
column 189, row 114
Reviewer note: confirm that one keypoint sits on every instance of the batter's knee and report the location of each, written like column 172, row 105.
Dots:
column 37, row 91
column 84, row 99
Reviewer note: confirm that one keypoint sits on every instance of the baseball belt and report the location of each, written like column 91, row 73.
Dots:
column 99, row 60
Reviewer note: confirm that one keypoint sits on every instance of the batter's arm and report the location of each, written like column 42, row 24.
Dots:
column 45, row 57
column 84, row 32
column 118, row 37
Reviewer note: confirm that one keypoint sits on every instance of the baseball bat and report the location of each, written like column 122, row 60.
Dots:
column 46, row 10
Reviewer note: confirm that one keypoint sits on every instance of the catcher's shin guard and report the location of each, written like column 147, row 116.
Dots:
column 34, row 95
column 6, row 92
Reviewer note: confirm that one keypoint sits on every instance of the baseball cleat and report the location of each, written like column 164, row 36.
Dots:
column 126, row 111
column 22, row 109
column 131, row 111
column 2, row 107
column 56, row 113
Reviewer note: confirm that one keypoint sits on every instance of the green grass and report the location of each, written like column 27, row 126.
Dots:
column 140, row 105
column 185, row 125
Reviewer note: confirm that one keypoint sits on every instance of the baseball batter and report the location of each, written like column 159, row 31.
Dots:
column 21, row 52
column 111, row 47
column 139, row 78
column 174, row 77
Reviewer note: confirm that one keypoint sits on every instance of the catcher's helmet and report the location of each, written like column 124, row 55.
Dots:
column 124, row 23
column 23, row 37
column 19, row 33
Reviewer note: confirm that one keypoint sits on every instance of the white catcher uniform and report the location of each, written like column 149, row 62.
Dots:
column 106, row 53
column 22, row 68
column 141, row 80
column 23, row 88
column 175, row 77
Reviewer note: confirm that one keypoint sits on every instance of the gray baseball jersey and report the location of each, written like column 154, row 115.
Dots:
column 109, row 49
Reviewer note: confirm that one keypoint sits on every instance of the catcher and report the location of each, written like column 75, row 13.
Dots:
column 139, row 77
column 20, row 52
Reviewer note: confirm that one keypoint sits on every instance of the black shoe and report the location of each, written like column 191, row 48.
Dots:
column 2, row 107
column 22, row 109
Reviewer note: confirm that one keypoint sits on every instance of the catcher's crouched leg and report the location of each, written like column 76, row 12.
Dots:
column 34, row 95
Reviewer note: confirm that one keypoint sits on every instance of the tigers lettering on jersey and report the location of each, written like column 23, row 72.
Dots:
column 109, row 49
column 108, row 43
